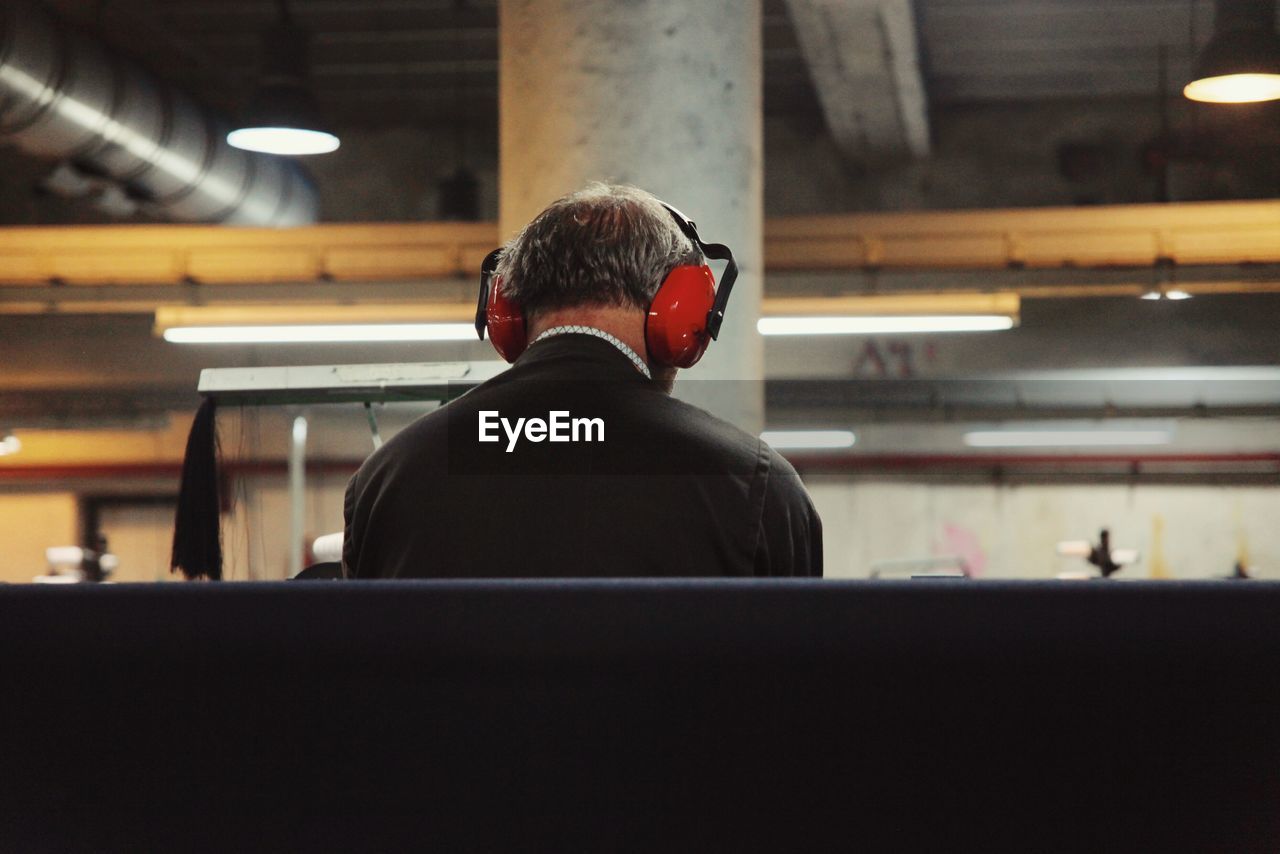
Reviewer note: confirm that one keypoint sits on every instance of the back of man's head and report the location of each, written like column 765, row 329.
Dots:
column 606, row 245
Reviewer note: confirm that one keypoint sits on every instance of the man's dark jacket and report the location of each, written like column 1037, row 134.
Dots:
column 670, row 491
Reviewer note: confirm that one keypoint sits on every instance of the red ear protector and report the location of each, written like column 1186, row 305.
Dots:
column 502, row 316
column 684, row 315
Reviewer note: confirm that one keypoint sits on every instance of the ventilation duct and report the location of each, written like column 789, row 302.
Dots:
column 64, row 97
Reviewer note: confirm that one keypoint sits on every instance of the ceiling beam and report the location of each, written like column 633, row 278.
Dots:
column 1188, row 233
column 1205, row 247
column 865, row 65
column 452, row 299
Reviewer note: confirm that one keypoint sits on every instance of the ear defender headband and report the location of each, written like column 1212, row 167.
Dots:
column 501, row 316
column 684, row 315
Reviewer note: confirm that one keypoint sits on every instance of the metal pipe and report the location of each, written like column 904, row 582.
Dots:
column 373, row 425
column 1267, row 463
column 1262, row 464
column 297, row 493
column 64, row 97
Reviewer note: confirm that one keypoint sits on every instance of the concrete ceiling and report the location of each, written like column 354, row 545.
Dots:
column 432, row 62
column 375, row 62
column 864, row 60
column 998, row 50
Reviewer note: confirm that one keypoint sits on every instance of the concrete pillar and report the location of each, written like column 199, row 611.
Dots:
column 662, row 94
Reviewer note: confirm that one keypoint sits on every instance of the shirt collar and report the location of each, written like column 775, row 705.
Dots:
column 575, row 329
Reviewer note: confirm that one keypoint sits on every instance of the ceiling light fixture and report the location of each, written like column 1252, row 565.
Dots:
column 440, row 321
column 10, row 444
column 1158, row 294
column 808, row 439
column 313, row 324
column 1077, row 438
column 889, row 314
column 882, row 325
column 1241, row 63
column 282, row 117
column 334, row 333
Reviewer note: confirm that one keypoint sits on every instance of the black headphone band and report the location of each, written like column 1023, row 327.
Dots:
column 717, row 252
column 487, row 268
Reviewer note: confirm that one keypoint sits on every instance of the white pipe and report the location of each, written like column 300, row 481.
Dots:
column 297, row 493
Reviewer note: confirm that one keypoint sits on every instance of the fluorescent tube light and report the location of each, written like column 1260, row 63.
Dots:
column 449, row 321
column 320, row 333
column 372, row 332
column 797, row 439
column 313, row 324
column 1064, row 438
column 865, row 314
column 872, row 325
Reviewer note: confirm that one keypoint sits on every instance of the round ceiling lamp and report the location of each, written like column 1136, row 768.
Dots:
column 1241, row 63
column 9, row 444
column 283, row 117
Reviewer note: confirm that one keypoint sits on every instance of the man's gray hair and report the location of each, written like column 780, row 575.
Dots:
column 605, row 245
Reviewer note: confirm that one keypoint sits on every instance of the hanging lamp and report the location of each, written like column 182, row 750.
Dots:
column 283, row 117
column 1241, row 62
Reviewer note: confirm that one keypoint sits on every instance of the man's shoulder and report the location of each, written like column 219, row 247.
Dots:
column 679, row 436
column 732, row 439
column 715, row 432
column 412, row 444
column 679, row 421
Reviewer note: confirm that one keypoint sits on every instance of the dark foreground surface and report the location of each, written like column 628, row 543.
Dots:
column 646, row 716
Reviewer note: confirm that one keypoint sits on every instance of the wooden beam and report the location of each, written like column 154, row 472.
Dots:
column 43, row 269
column 1192, row 233
column 168, row 254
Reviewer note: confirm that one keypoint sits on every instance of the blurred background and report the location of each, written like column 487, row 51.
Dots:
column 1007, row 284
